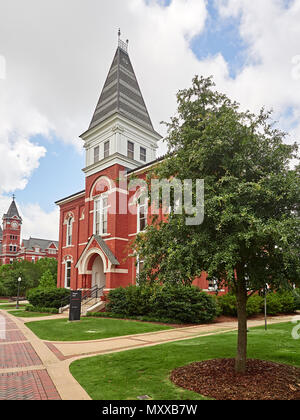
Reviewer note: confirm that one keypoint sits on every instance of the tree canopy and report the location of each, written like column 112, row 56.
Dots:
column 30, row 273
column 251, row 231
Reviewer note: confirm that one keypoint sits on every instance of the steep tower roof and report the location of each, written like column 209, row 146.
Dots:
column 121, row 93
column 12, row 211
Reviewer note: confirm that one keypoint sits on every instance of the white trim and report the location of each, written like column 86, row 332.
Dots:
column 117, row 239
column 84, row 260
column 66, row 271
column 119, row 270
column 67, row 200
column 102, row 211
column 110, row 182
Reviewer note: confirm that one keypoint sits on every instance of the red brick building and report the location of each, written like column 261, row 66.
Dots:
column 13, row 248
column 98, row 224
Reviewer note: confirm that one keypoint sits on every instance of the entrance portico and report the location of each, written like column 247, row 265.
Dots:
column 96, row 264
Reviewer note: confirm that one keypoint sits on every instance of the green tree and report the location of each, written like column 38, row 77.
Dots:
column 250, row 235
column 47, row 281
column 30, row 273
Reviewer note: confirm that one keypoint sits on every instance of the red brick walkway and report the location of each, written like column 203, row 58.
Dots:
column 16, row 353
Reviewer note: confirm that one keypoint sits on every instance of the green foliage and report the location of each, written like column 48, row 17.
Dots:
column 227, row 304
column 47, row 298
column 29, row 272
column 176, row 303
column 47, row 281
column 131, row 300
column 283, row 302
column 274, row 305
column 182, row 303
column 287, row 301
column 255, row 305
column 296, row 294
column 251, row 229
column 31, row 308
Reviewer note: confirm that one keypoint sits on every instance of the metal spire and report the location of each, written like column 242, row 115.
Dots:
column 123, row 45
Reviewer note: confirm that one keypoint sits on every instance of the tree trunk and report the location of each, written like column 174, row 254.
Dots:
column 241, row 357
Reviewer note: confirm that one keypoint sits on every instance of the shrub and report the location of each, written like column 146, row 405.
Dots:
column 47, row 298
column 171, row 303
column 183, row 304
column 31, row 308
column 288, row 302
column 227, row 304
column 274, row 306
column 255, row 305
column 296, row 294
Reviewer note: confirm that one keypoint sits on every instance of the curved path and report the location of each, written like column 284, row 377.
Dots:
column 31, row 368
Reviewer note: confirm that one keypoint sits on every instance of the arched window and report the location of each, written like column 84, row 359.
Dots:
column 69, row 231
column 100, row 215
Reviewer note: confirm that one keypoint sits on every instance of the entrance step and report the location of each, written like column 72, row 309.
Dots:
column 98, row 307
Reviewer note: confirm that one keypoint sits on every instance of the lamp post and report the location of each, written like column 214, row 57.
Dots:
column 19, row 282
column 266, row 291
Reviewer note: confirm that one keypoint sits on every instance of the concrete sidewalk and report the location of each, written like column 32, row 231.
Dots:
column 54, row 358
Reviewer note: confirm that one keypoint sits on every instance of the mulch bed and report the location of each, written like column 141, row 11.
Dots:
column 262, row 381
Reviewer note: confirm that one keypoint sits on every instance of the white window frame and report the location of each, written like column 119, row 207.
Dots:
column 139, row 207
column 106, row 149
column 213, row 288
column 143, row 154
column 130, row 153
column 96, row 154
column 69, row 231
column 102, row 209
column 138, row 268
column 68, row 266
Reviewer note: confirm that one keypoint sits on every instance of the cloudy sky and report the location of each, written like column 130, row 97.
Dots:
column 55, row 55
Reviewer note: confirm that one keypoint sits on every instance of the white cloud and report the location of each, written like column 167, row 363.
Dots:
column 272, row 32
column 38, row 223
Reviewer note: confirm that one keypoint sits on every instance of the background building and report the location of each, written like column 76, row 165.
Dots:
column 13, row 248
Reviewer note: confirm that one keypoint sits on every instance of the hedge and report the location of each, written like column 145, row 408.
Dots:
column 47, row 298
column 178, row 304
column 277, row 303
column 31, row 308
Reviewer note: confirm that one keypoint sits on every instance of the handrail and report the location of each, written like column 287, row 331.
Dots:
column 95, row 292
column 65, row 301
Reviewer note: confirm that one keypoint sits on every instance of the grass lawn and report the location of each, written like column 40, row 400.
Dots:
column 26, row 314
column 89, row 329
column 4, row 301
column 126, row 375
column 10, row 306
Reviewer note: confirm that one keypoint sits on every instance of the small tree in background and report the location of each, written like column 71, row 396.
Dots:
column 250, row 235
column 47, row 281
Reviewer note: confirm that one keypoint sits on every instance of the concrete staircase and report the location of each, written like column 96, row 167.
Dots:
column 91, row 302
column 94, row 305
